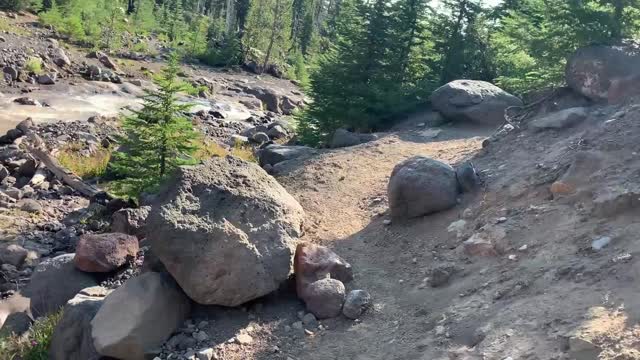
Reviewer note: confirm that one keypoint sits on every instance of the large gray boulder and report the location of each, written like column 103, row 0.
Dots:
column 138, row 317
column 54, row 282
column 601, row 72
column 226, row 231
column 473, row 101
column 274, row 154
column 71, row 338
column 271, row 99
column 421, row 186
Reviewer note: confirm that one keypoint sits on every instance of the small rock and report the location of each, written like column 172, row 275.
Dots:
column 277, row 132
column 47, row 79
column 561, row 119
column 13, row 193
column 30, row 206
column 600, row 243
column 201, row 336
column 3, row 172
column 313, row 262
column 17, row 323
column 386, row 222
column 324, row 298
column 14, row 255
column 11, row 72
column 260, row 138
column 356, row 303
column 203, row 324
column 457, row 227
column 27, row 101
column 205, row 354
column 244, row 339
column 489, row 241
column 310, row 321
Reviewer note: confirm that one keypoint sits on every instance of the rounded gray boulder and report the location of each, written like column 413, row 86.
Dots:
column 421, row 186
column 473, row 101
column 53, row 283
column 226, row 231
column 324, row 298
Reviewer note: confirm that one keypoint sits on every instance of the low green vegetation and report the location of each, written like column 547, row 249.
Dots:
column 34, row 65
column 207, row 150
column 86, row 167
column 35, row 344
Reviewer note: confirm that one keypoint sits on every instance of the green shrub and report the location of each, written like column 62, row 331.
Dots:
column 34, row 65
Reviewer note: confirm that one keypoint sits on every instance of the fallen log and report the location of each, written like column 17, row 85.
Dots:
column 37, row 148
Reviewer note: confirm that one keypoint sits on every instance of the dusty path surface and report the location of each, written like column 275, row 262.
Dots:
column 546, row 294
column 344, row 195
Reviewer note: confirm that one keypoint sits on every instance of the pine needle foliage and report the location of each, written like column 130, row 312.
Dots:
column 158, row 138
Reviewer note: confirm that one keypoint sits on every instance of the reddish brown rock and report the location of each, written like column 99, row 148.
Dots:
column 315, row 262
column 104, row 252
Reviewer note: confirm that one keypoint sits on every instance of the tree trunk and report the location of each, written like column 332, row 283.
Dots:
column 272, row 39
column 131, row 8
column 616, row 32
column 230, row 18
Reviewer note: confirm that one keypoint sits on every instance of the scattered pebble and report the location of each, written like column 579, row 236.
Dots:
column 386, row 222
column 600, row 243
column 244, row 339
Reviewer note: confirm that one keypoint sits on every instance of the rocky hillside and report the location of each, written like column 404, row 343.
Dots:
column 482, row 229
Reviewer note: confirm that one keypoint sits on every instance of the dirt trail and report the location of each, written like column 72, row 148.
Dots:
column 344, row 195
column 545, row 296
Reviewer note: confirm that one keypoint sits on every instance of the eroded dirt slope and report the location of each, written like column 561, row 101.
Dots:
column 546, row 295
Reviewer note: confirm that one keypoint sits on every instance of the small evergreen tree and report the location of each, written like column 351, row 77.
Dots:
column 158, row 138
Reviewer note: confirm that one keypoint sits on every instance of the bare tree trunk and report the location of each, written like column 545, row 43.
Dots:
column 131, row 7
column 230, row 18
column 274, row 32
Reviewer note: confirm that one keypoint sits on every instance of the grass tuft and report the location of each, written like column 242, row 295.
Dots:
column 86, row 167
column 34, row 345
column 207, row 150
column 34, row 65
